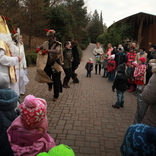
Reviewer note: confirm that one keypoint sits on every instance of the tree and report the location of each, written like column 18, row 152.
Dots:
column 80, row 18
column 61, row 20
column 116, row 35
column 96, row 27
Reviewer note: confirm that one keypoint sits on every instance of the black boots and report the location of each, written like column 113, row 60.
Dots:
column 65, row 83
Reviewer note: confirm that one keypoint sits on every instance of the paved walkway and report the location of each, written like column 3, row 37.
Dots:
column 83, row 117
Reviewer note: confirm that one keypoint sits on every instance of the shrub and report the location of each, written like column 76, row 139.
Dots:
column 31, row 58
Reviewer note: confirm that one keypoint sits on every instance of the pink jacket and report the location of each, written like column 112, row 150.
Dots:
column 26, row 142
column 109, row 52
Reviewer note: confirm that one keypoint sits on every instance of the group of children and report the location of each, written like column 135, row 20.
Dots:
column 123, row 71
column 23, row 127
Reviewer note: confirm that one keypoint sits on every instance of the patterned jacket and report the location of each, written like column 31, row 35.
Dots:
column 111, row 66
column 130, row 58
column 139, row 72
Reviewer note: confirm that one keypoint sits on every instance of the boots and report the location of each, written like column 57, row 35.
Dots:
column 65, row 83
column 137, row 92
column 131, row 89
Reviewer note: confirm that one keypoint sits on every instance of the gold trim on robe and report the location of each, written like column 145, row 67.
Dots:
column 12, row 72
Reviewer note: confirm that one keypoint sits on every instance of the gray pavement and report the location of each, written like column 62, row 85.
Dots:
column 83, row 117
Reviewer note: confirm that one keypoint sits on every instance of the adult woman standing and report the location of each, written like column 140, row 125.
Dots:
column 98, row 52
column 68, row 58
column 109, row 50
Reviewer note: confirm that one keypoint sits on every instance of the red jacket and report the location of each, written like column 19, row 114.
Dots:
column 111, row 66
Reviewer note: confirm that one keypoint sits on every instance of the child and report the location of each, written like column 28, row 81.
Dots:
column 28, row 132
column 8, row 101
column 89, row 67
column 139, row 75
column 120, row 84
column 111, row 66
column 130, row 73
column 104, row 63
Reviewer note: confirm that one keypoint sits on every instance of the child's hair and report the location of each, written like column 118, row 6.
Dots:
column 90, row 59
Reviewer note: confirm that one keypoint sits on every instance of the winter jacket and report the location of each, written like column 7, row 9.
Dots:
column 149, row 97
column 120, row 58
column 68, row 58
column 120, row 82
column 139, row 72
column 29, row 142
column 130, row 58
column 109, row 52
column 111, row 66
column 8, row 103
column 5, row 148
column 89, row 66
column 76, row 58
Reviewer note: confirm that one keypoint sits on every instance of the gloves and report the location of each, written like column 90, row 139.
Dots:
column 37, row 50
column 45, row 51
column 113, row 88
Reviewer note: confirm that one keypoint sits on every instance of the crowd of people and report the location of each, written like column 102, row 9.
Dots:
column 132, row 70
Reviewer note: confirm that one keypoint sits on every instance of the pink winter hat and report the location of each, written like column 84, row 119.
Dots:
column 142, row 59
column 32, row 111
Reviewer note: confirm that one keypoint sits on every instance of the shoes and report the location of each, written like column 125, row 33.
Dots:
column 54, row 99
column 64, row 86
column 121, row 106
column 115, row 106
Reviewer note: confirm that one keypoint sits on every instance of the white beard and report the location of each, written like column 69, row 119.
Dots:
column 5, row 37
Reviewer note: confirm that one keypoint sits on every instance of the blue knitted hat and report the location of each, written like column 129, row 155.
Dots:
column 139, row 140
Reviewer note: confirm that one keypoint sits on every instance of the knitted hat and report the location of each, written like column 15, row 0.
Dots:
column 60, row 150
column 142, row 59
column 32, row 111
column 50, row 32
column 4, row 81
column 121, row 68
column 139, row 140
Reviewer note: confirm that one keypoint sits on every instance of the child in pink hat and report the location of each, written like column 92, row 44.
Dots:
column 28, row 133
column 139, row 75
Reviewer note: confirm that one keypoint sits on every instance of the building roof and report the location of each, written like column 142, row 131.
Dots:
column 136, row 19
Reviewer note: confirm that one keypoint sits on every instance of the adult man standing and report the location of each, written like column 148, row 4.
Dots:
column 7, row 62
column 49, row 63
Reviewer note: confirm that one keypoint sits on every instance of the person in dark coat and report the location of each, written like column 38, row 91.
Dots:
column 151, row 55
column 89, row 67
column 120, row 57
column 76, row 61
column 5, row 148
column 8, row 101
column 120, row 83
column 67, row 67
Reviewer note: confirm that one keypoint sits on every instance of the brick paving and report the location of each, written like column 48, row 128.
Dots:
column 83, row 117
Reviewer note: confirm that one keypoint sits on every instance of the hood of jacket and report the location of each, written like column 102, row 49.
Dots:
column 8, row 99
